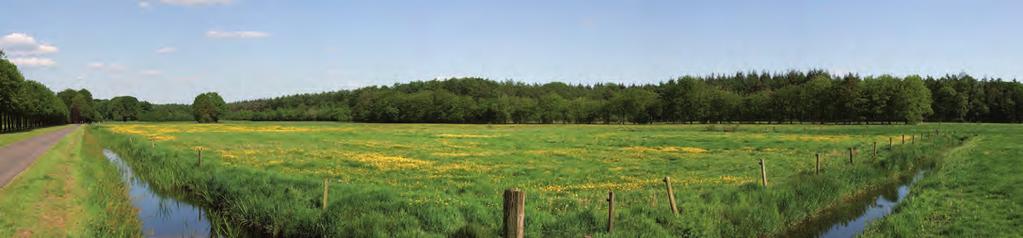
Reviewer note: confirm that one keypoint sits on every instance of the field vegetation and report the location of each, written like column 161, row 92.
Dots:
column 71, row 191
column 443, row 180
column 975, row 191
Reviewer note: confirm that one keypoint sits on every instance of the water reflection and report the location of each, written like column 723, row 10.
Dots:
column 882, row 206
column 850, row 218
column 161, row 216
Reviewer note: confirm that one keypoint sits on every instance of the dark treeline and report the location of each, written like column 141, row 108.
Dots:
column 812, row 96
column 26, row 104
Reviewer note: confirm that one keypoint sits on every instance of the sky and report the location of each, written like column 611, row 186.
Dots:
column 168, row 51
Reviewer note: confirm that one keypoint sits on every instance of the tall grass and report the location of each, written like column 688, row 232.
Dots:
column 110, row 210
column 288, row 205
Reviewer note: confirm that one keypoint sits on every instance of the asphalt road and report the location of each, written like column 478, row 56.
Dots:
column 15, row 157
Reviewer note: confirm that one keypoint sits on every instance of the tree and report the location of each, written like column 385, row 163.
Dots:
column 10, row 86
column 208, row 107
column 913, row 100
column 124, row 108
column 949, row 105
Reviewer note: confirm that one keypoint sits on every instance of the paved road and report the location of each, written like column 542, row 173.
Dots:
column 17, row 156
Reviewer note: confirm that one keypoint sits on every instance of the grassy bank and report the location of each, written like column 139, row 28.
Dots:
column 8, row 138
column 441, row 180
column 71, row 191
column 975, row 192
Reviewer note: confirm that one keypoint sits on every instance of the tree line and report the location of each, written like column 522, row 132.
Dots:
column 26, row 104
column 750, row 97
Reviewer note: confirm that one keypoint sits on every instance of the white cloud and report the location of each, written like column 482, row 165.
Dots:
column 144, row 4
column 150, row 72
column 33, row 62
column 21, row 44
column 196, row 2
column 236, row 34
column 166, row 50
column 108, row 67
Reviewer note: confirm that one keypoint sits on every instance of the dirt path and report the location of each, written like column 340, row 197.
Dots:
column 14, row 158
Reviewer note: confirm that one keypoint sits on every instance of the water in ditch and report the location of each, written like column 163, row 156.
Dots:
column 852, row 217
column 161, row 215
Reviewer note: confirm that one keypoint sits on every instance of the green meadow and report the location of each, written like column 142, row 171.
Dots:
column 447, row 180
column 974, row 192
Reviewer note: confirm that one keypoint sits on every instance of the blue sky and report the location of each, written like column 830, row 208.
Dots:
column 170, row 50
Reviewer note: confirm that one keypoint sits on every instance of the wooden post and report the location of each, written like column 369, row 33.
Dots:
column 875, row 150
column 200, row 157
column 850, row 155
column 903, row 139
column 912, row 139
column 671, row 196
column 325, row 187
column 763, row 172
column 610, row 211
column 818, row 155
column 514, row 213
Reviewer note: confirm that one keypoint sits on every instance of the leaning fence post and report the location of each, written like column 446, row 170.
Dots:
column 763, row 172
column 671, row 195
column 610, row 211
column 325, row 188
column 514, row 213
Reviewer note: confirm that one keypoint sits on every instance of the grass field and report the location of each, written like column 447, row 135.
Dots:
column 975, row 192
column 441, row 180
column 71, row 191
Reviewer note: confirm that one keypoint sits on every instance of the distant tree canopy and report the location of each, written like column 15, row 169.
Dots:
column 124, row 108
column 208, row 107
column 26, row 104
column 813, row 96
column 80, row 106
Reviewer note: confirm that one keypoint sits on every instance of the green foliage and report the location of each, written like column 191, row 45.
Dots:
column 208, row 107
column 813, row 96
column 973, row 192
column 124, row 108
column 80, row 105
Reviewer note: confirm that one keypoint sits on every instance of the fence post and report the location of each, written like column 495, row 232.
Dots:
column 850, row 155
column 610, row 211
column 200, row 157
column 671, row 195
column 818, row 155
column 889, row 143
column 912, row 139
column 875, row 150
column 763, row 172
column 903, row 139
column 514, row 213
column 325, row 188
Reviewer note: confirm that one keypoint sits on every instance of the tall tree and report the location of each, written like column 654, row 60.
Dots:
column 208, row 107
column 124, row 108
